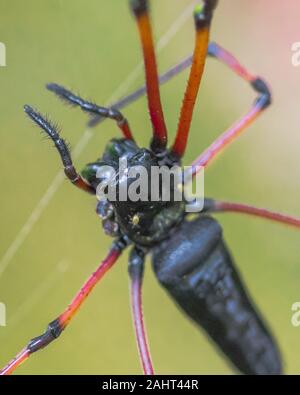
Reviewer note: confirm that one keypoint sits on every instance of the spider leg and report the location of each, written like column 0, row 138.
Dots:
column 56, row 327
column 92, row 108
column 136, row 271
column 62, row 148
column 261, row 103
column 218, row 206
column 140, row 9
column 203, row 16
column 163, row 78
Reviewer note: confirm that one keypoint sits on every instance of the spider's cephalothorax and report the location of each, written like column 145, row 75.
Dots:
column 143, row 220
column 190, row 258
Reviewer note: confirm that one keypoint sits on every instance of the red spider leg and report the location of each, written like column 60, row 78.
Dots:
column 216, row 51
column 136, row 271
column 167, row 76
column 16, row 362
column 227, row 137
column 203, row 15
column 140, row 9
column 263, row 101
column 212, row 205
column 56, row 327
column 163, row 78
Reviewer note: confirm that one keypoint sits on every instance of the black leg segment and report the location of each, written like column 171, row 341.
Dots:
column 62, row 149
column 92, row 108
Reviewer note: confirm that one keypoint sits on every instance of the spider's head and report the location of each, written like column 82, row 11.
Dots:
column 124, row 179
column 120, row 157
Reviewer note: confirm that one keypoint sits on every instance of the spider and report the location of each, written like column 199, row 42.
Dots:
column 190, row 259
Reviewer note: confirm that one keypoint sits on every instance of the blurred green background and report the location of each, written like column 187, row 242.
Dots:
column 92, row 47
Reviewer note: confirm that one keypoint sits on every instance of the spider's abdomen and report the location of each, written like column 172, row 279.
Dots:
column 197, row 270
